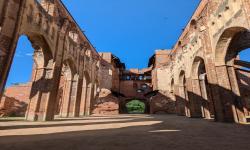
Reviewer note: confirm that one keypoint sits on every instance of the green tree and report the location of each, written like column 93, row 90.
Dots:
column 135, row 107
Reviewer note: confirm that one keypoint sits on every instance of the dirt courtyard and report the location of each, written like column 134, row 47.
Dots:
column 124, row 132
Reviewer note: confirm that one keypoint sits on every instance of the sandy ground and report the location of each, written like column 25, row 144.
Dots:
column 124, row 132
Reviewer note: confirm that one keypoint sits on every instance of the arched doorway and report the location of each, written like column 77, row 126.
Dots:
column 68, row 84
column 183, row 101
column 201, row 100
column 233, row 77
column 15, row 98
column 40, row 103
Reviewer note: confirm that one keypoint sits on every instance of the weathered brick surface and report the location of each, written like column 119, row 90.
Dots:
column 15, row 100
column 162, row 102
column 106, row 103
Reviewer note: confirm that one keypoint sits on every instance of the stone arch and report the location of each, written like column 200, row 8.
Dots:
column 69, row 77
column 230, row 73
column 38, row 108
column 201, row 101
column 182, row 96
column 222, row 52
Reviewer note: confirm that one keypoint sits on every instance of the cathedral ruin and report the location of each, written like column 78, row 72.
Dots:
column 202, row 76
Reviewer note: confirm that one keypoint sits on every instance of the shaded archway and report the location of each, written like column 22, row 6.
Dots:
column 182, row 97
column 18, row 85
column 231, row 75
column 69, row 80
column 202, row 105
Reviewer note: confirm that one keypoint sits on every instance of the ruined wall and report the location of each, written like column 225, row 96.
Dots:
column 205, row 40
column 15, row 100
column 106, row 103
column 162, row 103
column 129, row 88
column 244, row 83
column 57, row 41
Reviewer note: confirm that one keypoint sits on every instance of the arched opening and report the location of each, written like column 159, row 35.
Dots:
column 135, row 107
column 233, row 73
column 37, row 91
column 183, row 102
column 201, row 100
column 66, row 98
column 17, row 90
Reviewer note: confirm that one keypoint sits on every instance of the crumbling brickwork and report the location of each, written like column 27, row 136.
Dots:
column 202, row 76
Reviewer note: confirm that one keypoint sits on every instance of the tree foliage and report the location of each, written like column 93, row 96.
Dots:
column 135, row 107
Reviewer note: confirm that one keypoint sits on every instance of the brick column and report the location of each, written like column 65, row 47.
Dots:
column 177, row 98
column 66, row 99
column 10, row 20
column 237, row 102
column 226, row 96
column 204, row 94
column 181, row 100
column 215, row 90
column 40, row 95
column 78, row 97
column 88, row 100
column 83, row 98
column 194, row 95
column 73, row 96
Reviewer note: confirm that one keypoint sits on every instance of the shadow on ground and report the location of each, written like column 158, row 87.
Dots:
column 139, row 132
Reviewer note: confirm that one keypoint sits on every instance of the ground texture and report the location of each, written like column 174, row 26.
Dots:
column 124, row 132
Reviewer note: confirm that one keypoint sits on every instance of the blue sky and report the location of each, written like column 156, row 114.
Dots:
column 130, row 29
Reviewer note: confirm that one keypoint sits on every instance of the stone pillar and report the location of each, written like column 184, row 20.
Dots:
column 73, row 96
column 40, row 95
column 78, row 97
column 195, row 98
column 226, row 94
column 215, row 90
column 181, row 101
column 205, row 103
column 88, row 100
column 11, row 12
column 237, row 102
column 178, row 101
column 83, row 98
column 66, row 99
column 187, row 89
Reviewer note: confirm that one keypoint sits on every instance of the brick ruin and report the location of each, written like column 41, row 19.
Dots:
column 202, row 76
